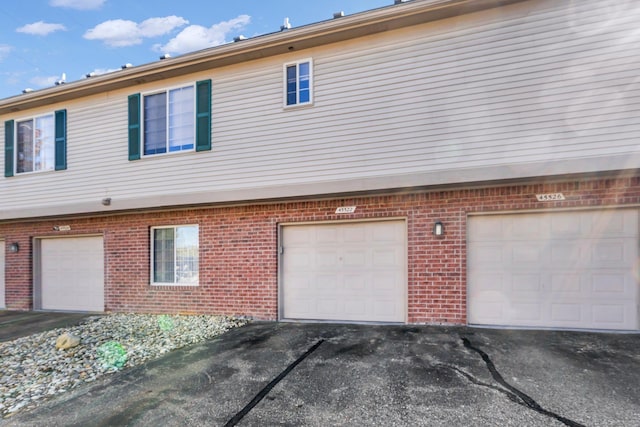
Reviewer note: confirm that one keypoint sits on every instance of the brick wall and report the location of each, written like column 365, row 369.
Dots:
column 238, row 247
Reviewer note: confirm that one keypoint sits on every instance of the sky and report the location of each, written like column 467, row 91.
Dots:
column 42, row 40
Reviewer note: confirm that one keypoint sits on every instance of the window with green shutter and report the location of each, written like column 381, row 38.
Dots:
column 172, row 120
column 36, row 144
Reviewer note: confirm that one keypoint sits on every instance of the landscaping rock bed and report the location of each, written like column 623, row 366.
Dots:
column 33, row 369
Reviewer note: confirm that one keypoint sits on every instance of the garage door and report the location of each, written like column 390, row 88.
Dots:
column 557, row 270
column 2, row 289
column 345, row 272
column 72, row 274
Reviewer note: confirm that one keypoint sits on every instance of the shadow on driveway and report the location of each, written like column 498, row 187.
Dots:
column 345, row 375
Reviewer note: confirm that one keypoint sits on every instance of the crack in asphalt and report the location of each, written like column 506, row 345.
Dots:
column 512, row 392
column 261, row 395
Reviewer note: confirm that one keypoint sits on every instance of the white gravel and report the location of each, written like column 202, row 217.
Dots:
column 32, row 369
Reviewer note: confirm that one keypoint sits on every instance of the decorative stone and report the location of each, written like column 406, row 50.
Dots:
column 66, row 341
column 33, row 372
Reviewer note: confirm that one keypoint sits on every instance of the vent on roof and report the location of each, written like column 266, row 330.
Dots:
column 91, row 74
column 63, row 79
column 239, row 38
column 27, row 90
column 338, row 14
column 127, row 65
column 286, row 25
column 165, row 56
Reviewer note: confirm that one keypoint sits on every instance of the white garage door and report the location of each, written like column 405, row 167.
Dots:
column 2, row 289
column 347, row 271
column 72, row 274
column 558, row 270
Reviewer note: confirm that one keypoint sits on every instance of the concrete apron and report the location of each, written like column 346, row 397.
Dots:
column 325, row 374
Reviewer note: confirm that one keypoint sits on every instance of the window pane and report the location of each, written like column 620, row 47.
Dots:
column 187, row 255
column 305, row 83
column 155, row 123
column 24, row 146
column 181, row 119
column 44, row 145
column 163, row 255
column 292, row 85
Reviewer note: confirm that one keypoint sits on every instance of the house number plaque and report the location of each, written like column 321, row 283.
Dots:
column 550, row 197
column 345, row 209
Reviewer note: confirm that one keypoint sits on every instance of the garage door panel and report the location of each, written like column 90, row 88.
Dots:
column 72, row 274
column 355, row 272
column 572, row 274
column 2, row 285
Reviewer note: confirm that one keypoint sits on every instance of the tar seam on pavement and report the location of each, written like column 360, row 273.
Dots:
column 237, row 417
column 525, row 399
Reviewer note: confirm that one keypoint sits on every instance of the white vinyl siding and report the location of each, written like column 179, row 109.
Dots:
column 540, row 88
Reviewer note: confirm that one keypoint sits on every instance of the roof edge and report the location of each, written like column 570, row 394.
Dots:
column 362, row 24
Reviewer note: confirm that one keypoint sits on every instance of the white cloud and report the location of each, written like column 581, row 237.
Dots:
column 4, row 51
column 43, row 81
column 41, row 28
column 78, row 4
column 120, row 32
column 196, row 37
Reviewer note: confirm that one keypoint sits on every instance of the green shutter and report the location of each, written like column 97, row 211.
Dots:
column 134, row 127
column 61, row 139
column 8, row 148
column 203, row 115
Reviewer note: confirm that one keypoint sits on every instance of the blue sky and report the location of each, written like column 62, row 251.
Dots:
column 42, row 39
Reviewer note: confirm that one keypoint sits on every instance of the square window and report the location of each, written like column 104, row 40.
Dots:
column 175, row 255
column 35, row 144
column 298, row 83
column 169, row 121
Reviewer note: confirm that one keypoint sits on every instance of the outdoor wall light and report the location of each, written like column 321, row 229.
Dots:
column 14, row 247
column 438, row 228
column 106, row 201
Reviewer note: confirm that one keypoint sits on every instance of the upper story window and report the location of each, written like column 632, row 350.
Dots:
column 170, row 121
column 36, row 144
column 298, row 83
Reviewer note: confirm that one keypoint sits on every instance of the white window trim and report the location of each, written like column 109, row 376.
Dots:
column 166, row 91
column 151, row 256
column 15, row 142
column 311, row 84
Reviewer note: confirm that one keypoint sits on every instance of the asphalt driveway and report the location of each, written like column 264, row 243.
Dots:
column 356, row 375
column 15, row 324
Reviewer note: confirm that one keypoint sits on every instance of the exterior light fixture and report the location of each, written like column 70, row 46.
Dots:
column 106, row 201
column 14, row 247
column 438, row 229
